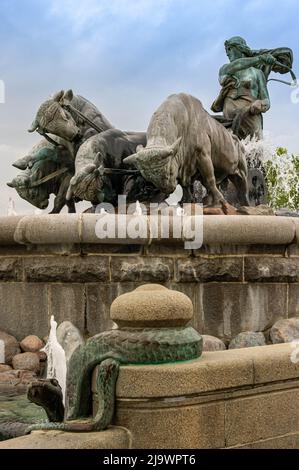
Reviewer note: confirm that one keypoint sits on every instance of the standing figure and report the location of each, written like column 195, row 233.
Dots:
column 244, row 95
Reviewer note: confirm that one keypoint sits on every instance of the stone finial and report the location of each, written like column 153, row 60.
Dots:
column 152, row 305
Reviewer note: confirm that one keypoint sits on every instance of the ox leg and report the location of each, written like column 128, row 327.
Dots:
column 60, row 200
column 206, row 169
column 239, row 180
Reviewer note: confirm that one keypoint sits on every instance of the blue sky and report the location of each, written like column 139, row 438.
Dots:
column 127, row 56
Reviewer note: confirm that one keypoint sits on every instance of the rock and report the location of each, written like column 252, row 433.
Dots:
column 262, row 209
column 42, row 356
column 11, row 346
column 9, row 378
column 247, row 339
column 211, row 343
column 31, row 344
column 285, row 212
column 27, row 376
column 26, row 361
column 226, row 209
column 285, row 331
column 4, row 368
column 69, row 337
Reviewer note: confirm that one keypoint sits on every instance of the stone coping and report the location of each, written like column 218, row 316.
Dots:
column 57, row 229
column 213, row 372
column 115, row 437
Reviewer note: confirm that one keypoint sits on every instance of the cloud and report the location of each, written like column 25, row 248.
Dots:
column 81, row 15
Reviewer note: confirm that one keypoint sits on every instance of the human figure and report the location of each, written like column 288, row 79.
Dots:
column 244, row 95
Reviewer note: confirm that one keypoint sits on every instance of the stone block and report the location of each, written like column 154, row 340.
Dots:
column 214, row 371
column 290, row 441
column 112, row 438
column 102, row 249
column 238, row 250
column 293, row 310
column 10, row 269
column 296, row 224
column 262, row 416
column 194, row 291
column 113, row 229
column 266, row 269
column 67, row 269
column 230, row 308
column 48, row 229
column 293, row 250
column 247, row 230
column 24, row 309
column 67, row 302
column 8, row 225
column 273, row 363
column 99, row 298
column 181, row 427
column 141, row 269
column 165, row 249
column 201, row 269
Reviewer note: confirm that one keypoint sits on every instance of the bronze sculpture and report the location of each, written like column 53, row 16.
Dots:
column 244, row 94
column 97, row 150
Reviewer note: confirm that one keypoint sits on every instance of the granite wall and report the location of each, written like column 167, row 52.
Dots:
column 244, row 277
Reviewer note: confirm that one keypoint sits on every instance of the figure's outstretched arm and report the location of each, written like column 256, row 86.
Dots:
column 244, row 63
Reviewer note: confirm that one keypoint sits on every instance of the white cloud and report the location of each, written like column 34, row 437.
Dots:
column 81, row 14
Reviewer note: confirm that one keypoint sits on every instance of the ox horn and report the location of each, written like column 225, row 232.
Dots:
column 131, row 160
column 34, row 126
column 174, row 147
column 11, row 185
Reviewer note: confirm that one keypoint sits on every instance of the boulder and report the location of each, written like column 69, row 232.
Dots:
column 26, row 361
column 27, row 376
column 262, row 209
column 31, row 344
column 211, row 343
column 69, row 337
column 285, row 331
column 42, row 356
column 9, row 377
column 247, row 339
column 11, row 346
column 5, row 368
column 225, row 209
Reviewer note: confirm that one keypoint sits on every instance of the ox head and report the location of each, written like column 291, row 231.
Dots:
column 157, row 165
column 37, row 196
column 54, row 119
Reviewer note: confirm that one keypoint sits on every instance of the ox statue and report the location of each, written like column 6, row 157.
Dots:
column 184, row 144
column 47, row 170
column 70, row 117
column 107, row 150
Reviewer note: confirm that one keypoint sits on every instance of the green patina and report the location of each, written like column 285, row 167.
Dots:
column 109, row 350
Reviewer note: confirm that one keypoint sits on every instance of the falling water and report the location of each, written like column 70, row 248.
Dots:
column 56, row 365
column 280, row 171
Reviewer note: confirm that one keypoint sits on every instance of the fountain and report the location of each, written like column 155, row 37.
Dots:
column 56, row 363
column 200, row 281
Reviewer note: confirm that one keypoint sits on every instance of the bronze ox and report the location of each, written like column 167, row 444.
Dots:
column 185, row 143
